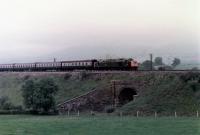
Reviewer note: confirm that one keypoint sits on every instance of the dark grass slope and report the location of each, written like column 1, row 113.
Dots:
column 167, row 94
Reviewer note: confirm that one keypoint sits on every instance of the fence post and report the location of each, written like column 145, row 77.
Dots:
column 91, row 112
column 155, row 114
column 137, row 114
column 197, row 114
column 68, row 113
column 121, row 114
column 175, row 114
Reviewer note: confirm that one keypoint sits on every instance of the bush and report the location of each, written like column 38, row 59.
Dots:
column 67, row 76
column 26, row 77
column 109, row 109
column 83, row 75
column 5, row 104
column 39, row 95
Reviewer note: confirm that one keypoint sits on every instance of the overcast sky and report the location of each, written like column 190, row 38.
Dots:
column 39, row 30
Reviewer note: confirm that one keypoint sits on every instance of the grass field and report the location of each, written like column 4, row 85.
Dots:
column 63, row 125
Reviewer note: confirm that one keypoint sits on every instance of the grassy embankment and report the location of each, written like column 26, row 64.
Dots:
column 69, row 85
column 167, row 93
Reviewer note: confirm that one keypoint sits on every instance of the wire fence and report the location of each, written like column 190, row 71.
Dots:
column 137, row 114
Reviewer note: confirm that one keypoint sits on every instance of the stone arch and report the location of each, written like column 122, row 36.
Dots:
column 126, row 95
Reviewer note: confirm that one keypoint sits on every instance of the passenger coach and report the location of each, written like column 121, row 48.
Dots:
column 108, row 64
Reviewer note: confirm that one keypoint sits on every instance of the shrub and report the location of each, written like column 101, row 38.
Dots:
column 67, row 76
column 109, row 109
column 39, row 95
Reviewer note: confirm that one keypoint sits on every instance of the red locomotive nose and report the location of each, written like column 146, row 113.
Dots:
column 133, row 65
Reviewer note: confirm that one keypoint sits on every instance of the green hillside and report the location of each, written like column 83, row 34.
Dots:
column 169, row 93
column 70, row 85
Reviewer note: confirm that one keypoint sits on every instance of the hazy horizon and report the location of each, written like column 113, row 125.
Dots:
column 41, row 30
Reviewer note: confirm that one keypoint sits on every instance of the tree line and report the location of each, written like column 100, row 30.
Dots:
column 158, row 62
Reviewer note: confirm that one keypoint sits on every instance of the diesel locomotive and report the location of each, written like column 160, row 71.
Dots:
column 94, row 64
